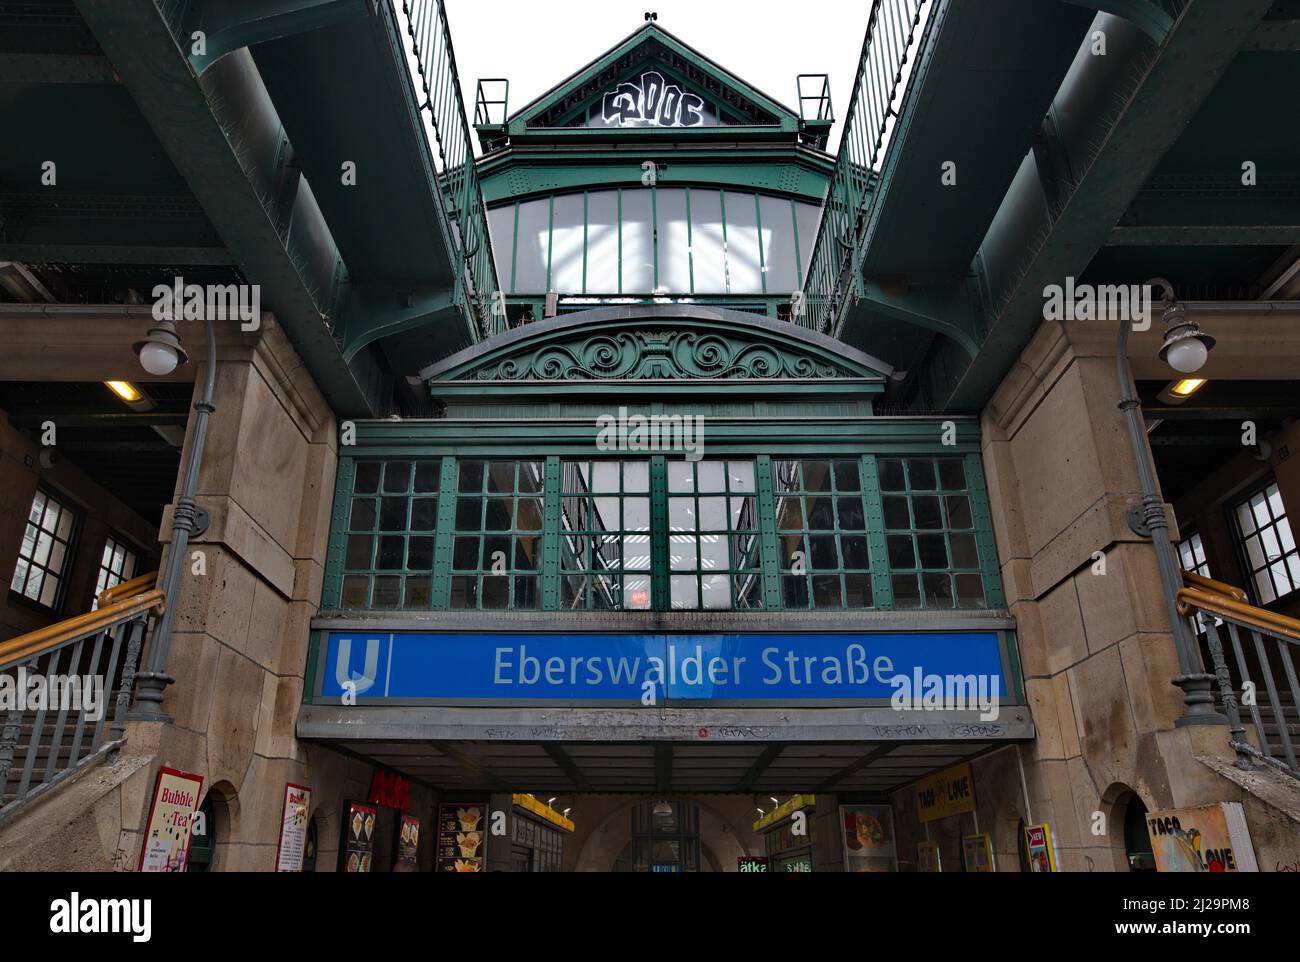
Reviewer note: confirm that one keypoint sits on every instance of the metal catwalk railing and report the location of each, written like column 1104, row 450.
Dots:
column 462, row 196
column 895, row 29
column 1261, row 675
column 53, row 727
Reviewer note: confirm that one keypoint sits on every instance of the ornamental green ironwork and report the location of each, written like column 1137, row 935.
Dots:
column 663, row 355
column 682, row 343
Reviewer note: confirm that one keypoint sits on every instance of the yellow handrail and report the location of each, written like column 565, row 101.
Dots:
column 127, row 589
column 51, row 636
column 1220, row 604
column 1192, row 580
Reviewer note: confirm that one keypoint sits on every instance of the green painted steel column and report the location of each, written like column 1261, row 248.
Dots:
column 882, row 589
column 552, row 536
column 770, row 557
column 440, row 595
column 984, row 541
column 332, row 589
column 660, row 599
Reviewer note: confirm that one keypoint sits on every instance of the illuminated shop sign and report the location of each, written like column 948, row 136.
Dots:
column 935, row 670
column 652, row 101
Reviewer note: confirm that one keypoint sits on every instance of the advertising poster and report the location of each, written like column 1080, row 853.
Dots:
column 1042, row 854
column 408, row 839
column 167, row 834
column 978, row 852
column 1212, row 838
column 927, row 857
column 293, row 828
column 462, row 846
column 949, row 792
column 359, row 838
column 868, row 836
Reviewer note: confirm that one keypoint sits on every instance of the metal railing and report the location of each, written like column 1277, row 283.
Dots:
column 833, row 282
column 461, row 194
column 1261, row 676
column 46, row 738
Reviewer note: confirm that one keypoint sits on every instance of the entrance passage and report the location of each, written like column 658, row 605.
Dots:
column 665, row 838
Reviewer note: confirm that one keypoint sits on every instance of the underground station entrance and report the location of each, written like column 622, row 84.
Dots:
column 669, row 786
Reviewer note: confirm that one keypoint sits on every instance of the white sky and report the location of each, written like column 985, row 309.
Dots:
column 537, row 44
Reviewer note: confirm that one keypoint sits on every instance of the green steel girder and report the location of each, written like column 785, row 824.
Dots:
column 226, row 140
column 796, row 434
column 1148, row 15
column 230, row 24
column 785, row 172
column 947, row 311
column 1041, row 235
column 371, row 315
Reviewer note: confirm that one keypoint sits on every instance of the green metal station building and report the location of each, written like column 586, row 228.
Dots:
column 633, row 464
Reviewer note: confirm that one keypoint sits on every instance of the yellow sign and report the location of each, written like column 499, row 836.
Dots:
column 949, row 792
column 785, row 810
column 542, row 810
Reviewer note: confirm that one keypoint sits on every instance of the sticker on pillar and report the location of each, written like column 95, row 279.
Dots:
column 166, row 845
column 928, row 858
column 977, row 852
column 1212, row 838
column 1040, row 847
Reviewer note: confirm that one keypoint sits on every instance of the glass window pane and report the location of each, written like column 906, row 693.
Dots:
column 363, row 514
column 674, row 244
column 806, row 218
column 638, row 243
column 501, row 228
column 706, row 242
column 566, row 244
column 779, row 264
column 602, row 242
column 367, row 479
column 533, row 246
column 743, row 276
column 685, row 592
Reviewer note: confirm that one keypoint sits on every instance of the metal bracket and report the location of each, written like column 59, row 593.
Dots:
column 201, row 520
column 1137, row 521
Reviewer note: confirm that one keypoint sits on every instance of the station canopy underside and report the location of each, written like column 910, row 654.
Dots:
column 722, row 756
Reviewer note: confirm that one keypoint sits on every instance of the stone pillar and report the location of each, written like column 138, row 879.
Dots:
column 1094, row 635
column 250, row 586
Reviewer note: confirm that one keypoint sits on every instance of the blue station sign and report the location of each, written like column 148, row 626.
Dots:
column 468, row 668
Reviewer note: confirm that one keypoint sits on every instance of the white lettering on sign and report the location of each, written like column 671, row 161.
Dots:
column 652, row 101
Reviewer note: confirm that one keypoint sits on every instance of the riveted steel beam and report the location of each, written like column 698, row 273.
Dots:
column 1112, row 151
column 1148, row 16
column 227, row 25
column 226, row 139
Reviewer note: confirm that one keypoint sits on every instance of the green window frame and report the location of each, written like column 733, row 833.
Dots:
column 715, row 546
column 605, row 540
column 930, row 533
column 496, row 556
column 821, row 521
column 391, row 533
column 742, row 532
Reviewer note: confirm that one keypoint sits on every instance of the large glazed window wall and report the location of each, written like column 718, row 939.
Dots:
column 668, row 240
column 726, row 534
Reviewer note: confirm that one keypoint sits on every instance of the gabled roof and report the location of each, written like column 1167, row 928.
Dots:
column 653, row 48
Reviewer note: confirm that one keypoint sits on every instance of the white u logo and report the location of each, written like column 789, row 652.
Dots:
column 359, row 683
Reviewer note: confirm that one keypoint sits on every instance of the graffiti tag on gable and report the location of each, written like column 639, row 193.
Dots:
column 653, row 102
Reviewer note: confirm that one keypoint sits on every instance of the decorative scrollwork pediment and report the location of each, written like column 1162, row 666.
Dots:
column 663, row 355
column 657, row 343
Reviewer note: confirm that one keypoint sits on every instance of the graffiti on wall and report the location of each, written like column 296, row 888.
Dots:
column 651, row 101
